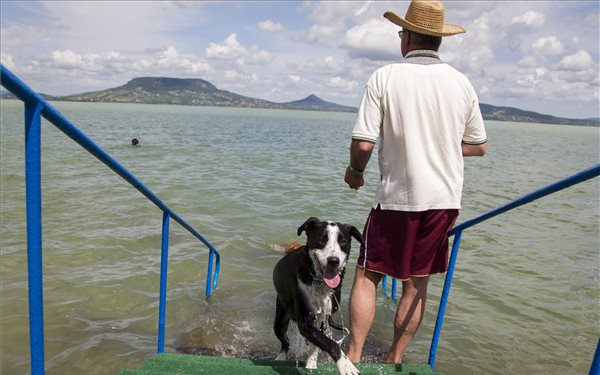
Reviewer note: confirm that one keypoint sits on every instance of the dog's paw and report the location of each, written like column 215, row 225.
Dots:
column 311, row 365
column 282, row 356
column 346, row 367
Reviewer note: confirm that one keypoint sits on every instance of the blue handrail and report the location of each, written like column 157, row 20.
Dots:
column 457, row 233
column 595, row 368
column 35, row 107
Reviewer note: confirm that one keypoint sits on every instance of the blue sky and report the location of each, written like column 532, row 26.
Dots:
column 535, row 55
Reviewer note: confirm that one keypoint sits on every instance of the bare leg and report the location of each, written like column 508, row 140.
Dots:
column 362, row 310
column 409, row 315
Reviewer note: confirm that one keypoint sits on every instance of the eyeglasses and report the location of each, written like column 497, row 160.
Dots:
column 401, row 33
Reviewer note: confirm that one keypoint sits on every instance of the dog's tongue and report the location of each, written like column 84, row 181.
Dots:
column 331, row 278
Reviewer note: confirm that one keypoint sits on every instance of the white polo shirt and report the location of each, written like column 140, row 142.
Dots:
column 420, row 110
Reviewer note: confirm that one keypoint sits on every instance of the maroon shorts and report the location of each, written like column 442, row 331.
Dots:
column 405, row 244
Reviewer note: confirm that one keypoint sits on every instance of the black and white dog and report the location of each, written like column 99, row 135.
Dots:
column 308, row 282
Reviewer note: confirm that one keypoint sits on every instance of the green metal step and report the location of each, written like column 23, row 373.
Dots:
column 182, row 364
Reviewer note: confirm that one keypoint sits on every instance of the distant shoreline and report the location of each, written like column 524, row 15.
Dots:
column 197, row 92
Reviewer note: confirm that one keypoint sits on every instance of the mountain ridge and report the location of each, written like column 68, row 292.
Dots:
column 196, row 91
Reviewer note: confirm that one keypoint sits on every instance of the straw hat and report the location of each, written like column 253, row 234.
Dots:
column 425, row 17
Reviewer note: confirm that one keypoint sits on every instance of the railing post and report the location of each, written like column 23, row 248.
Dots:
column 33, row 189
column 392, row 290
column 384, row 284
column 164, row 258
column 444, row 299
column 595, row 368
column 209, row 275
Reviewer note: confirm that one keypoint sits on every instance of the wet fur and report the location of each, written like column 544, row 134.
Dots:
column 303, row 296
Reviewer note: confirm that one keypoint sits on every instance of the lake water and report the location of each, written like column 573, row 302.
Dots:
column 525, row 297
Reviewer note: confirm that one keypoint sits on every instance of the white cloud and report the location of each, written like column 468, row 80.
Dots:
column 231, row 49
column 578, row 61
column 374, row 39
column 530, row 18
column 593, row 19
column 168, row 56
column 66, row 59
column 342, row 84
column 516, row 54
column 331, row 13
column 7, row 60
column 362, row 9
column 258, row 56
column 119, row 66
column 528, row 62
column 322, row 33
column 300, row 81
column 236, row 76
column 549, row 45
column 269, row 25
column 326, row 67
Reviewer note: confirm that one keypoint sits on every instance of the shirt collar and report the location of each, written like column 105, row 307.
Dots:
column 423, row 57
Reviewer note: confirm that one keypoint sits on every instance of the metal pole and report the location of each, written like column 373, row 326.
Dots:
column 444, row 299
column 33, row 189
column 217, row 269
column 164, row 258
column 595, row 369
column 208, row 290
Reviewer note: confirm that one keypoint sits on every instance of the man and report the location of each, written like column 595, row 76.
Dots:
column 426, row 117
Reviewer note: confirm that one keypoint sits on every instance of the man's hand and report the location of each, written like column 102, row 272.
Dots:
column 353, row 178
column 360, row 153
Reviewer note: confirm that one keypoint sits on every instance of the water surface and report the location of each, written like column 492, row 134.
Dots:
column 525, row 298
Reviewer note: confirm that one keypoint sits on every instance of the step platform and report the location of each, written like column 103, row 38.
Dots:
column 184, row 364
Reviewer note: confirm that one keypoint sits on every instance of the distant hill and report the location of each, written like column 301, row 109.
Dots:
column 194, row 91
column 162, row 90
column 313, row 103
column 491, row 112
column 8, row 95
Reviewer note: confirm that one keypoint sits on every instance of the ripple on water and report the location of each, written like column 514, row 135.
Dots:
column 524, row 299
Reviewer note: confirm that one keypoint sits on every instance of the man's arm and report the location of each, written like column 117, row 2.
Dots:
column 360, row 153
column 474, row 150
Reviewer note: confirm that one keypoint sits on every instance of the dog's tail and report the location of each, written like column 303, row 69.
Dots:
column 291, row 247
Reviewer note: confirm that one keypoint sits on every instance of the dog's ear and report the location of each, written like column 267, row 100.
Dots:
column 308, row 225
column 356, row 234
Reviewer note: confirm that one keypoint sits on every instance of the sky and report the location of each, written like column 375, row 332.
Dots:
column 541, row 56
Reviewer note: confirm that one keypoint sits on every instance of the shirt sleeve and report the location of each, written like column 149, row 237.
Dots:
column 370, row 116
column 475, row 129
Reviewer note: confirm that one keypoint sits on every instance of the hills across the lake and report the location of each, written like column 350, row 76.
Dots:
column 188, row 91
column 193, row 91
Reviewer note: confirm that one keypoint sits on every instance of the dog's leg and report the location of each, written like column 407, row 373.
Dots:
column 282, row 321
column 316, row 336
column 313, row 356
column 345, row 366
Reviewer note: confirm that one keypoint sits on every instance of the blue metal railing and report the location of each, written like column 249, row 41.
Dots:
column 457, row 233
column 35, row 108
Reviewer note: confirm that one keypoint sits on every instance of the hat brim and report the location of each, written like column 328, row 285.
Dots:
column 448, row 29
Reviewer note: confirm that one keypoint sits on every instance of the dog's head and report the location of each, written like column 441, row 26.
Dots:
column 328, row 245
